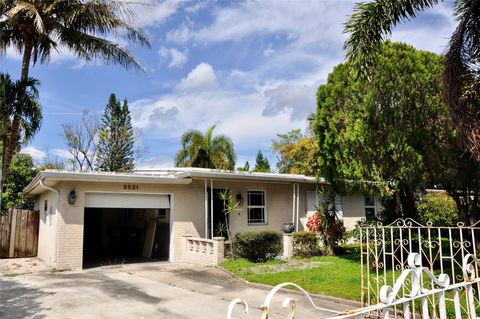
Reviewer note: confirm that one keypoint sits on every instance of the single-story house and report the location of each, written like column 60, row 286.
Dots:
column 85, row 216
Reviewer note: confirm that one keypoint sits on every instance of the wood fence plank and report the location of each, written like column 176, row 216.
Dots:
column 19, row 233
column 32, row 233
column 23, row 234
column 13, row 227
column 5, row 224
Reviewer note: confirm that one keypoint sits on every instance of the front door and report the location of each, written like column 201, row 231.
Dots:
column 220, row 220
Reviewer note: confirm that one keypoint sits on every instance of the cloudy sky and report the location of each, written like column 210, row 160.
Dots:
column 250, row 67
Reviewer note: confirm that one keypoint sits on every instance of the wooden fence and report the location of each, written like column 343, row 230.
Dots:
column 19, row 233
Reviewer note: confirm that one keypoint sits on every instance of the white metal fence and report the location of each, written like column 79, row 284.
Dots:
column 411, row 292
column 384, row 250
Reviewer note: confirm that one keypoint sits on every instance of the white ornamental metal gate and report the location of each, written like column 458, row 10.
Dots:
column 384, row 250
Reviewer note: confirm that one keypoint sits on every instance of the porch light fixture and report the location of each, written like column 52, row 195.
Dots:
column 239, row 199
column 72, row 197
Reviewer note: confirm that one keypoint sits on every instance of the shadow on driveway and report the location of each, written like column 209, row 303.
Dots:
column 18, row 301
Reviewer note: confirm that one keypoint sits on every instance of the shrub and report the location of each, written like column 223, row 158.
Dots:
column 258, row 246
column 440, row 209
column 354, row 234
column 305, row 244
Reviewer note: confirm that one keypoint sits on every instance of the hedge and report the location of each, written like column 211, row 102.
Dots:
column 305, row 244
column 258, row 246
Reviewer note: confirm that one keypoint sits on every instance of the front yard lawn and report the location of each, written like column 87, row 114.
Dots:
column 337, row 276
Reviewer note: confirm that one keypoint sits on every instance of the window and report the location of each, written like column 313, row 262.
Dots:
column 256, row 207
column 369, row 202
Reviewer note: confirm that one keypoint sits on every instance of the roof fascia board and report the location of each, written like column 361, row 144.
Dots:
column 105, row 178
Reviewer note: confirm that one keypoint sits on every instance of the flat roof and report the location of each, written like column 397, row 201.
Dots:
column 196, row 172
column 177, row 175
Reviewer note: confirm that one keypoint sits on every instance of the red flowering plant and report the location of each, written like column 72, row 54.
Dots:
column 313, row 222
column 327, row 222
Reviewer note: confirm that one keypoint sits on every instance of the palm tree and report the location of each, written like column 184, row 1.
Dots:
column 371, row 22
column 17, row 98
column 199, row 150
column 37, row 27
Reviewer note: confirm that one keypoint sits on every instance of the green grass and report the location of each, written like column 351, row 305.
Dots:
column 337, row 276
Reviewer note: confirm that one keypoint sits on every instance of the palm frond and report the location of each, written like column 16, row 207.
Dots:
column 30, row 11
column 372, row 22
column 89, row 47
column 461, row 66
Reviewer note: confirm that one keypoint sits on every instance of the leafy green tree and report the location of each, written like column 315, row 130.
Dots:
column 245, row 168
column 297, row 153
column 390, row 130
column 439, row 209
column 372, row 22
column 90, row 29
column 206, row 151
column 20, row 100
column 22, row 172
column 116, row 138
column 261, row 163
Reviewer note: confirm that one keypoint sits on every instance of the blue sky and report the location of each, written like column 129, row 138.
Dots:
column 250, row 67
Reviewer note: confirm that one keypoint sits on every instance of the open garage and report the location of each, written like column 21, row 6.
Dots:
column 123, row 228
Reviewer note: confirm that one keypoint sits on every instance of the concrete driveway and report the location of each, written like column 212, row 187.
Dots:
column 154, row 290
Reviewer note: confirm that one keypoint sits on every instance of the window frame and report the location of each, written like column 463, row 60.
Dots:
column 265, row 215
column 365, row 206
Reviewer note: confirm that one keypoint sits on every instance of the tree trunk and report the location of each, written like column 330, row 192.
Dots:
column 12, row 141
column 2, row 172
column 407, row 198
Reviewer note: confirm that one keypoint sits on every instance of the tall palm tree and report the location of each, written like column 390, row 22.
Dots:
column 17, row 98
column 199, row 150
column 372, row 22
column 37, row 27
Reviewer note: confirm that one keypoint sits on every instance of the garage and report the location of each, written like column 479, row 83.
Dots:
column 124, row 228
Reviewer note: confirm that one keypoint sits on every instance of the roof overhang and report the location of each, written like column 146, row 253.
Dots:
column 52, row 177
column 205, row 173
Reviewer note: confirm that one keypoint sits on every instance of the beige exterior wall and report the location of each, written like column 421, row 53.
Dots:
column 47, row 231
column 278, row 202
column 354, row 208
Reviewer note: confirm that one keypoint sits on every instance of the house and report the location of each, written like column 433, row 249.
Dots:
column 87, row 216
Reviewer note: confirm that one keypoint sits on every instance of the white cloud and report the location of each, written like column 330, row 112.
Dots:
column 199, row 5
column 34, row 152
column 179, row 35
column 298, row 100
column 156, row 162
column 201, row 78
column 62, row 153
column 237, row 115
column 268, row 51
column 154, row 12
column 174, row 57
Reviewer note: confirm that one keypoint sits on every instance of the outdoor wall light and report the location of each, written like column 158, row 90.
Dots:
column 72, row 197
column 239, row 199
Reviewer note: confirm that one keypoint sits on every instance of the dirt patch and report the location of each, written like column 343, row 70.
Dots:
column 287, row 266
column 18, row 266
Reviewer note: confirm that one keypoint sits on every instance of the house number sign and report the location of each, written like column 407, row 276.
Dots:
column 130, row 187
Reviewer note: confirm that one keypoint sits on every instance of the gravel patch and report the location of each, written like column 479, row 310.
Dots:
column 287, row 266
column 18, row 266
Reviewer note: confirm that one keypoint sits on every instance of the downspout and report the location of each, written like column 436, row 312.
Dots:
column 206, row 209
column 57, row 192
column 211, row 209
column 294, row 201
column 298, row 207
